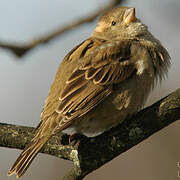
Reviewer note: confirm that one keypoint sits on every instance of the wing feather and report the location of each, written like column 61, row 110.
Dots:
column 91, row 82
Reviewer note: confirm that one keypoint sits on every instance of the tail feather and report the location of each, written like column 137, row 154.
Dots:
column 24, row 160
column 22, row 167
column 46, row 129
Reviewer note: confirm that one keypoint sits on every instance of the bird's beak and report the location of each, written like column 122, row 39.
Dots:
column 129, row 15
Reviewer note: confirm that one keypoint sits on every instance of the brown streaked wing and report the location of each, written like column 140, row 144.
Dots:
column 78, row 104
column 92, row 80
column 79, row 50
column 105, row 65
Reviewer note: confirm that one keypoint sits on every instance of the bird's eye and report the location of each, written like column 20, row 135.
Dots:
column 113, row 23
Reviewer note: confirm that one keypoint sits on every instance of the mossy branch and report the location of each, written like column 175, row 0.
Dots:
column 88, row 154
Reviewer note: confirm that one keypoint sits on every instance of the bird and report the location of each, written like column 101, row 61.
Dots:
column 100, row 82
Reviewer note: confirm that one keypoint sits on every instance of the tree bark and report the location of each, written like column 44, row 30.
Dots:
column 88, row 154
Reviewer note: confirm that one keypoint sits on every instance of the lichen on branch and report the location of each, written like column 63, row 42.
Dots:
column 107, row 146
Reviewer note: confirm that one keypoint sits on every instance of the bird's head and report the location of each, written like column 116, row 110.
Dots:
column 119, row 23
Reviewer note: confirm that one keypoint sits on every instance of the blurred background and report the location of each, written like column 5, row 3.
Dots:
column 24, row 83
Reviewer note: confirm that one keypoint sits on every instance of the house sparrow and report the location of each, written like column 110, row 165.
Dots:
column 100, row 82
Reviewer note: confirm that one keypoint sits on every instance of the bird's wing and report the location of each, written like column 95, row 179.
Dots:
column 92, row 80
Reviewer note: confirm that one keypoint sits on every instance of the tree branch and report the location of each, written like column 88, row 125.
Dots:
column 21, row 50
column 89, row 154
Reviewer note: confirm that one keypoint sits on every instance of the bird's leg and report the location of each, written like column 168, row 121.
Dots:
column 70, row 139
column 73, row 138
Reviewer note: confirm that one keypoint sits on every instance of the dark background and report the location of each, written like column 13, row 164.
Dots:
column 24, row 83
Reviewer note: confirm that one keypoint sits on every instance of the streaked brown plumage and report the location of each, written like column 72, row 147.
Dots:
column 101, row 81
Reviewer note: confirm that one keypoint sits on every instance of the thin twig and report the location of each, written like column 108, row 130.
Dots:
column 21, row 50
